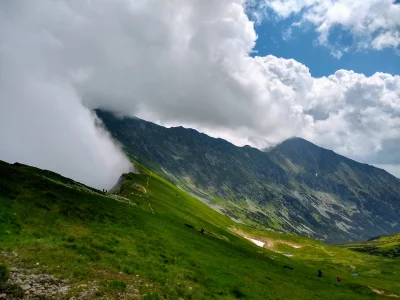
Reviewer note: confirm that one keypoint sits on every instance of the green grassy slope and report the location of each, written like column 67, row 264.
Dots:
column 387, row 246
column 138, row 238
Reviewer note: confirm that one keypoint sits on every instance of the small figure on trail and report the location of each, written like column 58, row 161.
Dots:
column 319, row 273
column 338, row 279
column 202, row 230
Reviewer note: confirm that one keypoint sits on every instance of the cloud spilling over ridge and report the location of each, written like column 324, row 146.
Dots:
column 42, row 120
column 172, row 62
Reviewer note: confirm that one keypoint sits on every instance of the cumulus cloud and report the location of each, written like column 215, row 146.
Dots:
column 176, row 63
column 372, row 23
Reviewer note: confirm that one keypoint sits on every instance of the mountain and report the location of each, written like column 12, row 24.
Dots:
column 294, row 187
column 60, row 239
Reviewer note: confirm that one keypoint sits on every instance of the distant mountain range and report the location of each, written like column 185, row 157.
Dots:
column 294, row 187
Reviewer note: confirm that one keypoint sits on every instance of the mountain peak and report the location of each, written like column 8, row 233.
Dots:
column 324, row 195
column 297, row 141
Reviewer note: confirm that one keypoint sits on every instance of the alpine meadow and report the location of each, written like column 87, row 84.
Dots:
column 199, row 149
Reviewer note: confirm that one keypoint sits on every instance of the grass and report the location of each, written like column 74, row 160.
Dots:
column 387, row 246
column 138, row 239
column 316, row 217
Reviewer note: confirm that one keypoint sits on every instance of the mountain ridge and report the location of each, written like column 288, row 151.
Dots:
column 295, row 187
column 304, row 141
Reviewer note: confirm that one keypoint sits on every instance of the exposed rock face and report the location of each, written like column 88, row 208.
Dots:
column 294, row 187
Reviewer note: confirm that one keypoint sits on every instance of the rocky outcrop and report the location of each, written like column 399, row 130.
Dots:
column 32, row 283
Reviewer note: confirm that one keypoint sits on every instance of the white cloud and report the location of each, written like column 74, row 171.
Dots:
column 287, row 34
column 174, row 62
column 387, row 39
column 285, row 8
column 42, row 120
column 337, row 54
column 372, row 23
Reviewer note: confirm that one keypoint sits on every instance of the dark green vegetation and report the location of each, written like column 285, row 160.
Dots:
column 294, row 187
column 78, row 233
column 387, row 246
column 3, row 274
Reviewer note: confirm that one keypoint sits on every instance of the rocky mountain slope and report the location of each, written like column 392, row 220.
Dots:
column 294, row 187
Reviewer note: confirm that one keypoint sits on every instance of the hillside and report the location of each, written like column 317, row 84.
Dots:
column 387, row 246
column 60, row 239
column 294, row 187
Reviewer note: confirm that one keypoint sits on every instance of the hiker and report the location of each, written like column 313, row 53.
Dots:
column 319, row 273
column 338, row 278
column 202, row 230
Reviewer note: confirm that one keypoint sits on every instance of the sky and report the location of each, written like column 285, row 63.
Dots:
column 250, row 71
column 280, row 38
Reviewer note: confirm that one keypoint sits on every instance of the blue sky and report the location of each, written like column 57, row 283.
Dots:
column 302, row 46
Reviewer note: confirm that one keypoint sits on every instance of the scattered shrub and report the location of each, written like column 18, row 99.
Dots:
column 3, row 274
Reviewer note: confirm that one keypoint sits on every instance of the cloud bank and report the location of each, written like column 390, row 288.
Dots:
column 42, row 119
column 172, row 62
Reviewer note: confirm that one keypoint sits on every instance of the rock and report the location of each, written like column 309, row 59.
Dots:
column 25, row 287
column 64, row 289
column 36, row 285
